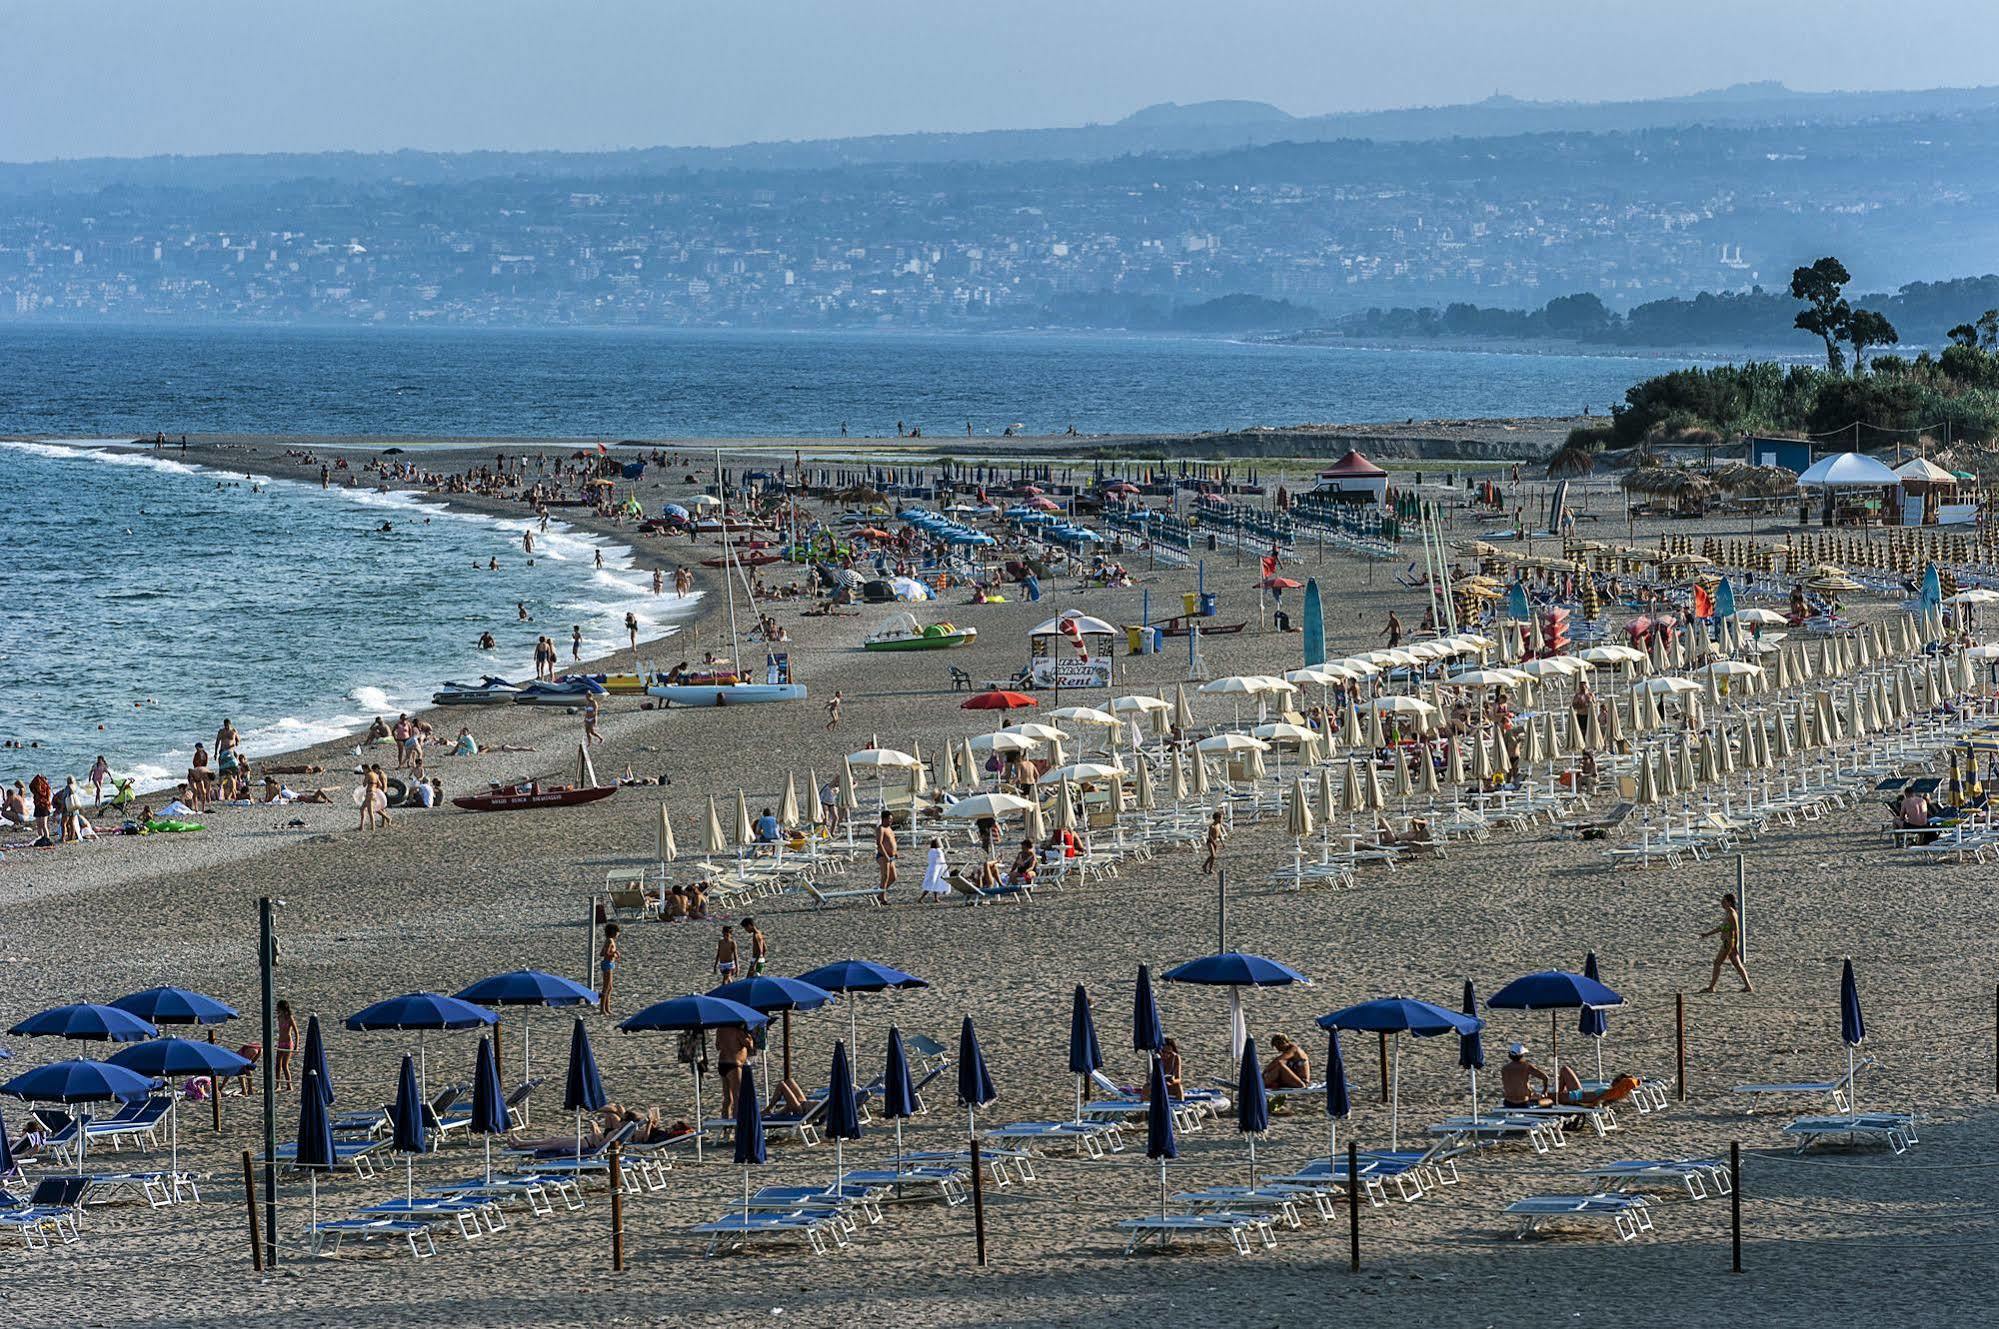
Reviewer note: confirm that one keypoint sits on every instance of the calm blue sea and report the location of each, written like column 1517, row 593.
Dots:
column 149, row 600
column 112, row 382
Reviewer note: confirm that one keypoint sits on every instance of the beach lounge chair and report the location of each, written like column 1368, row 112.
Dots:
column 913, row 1181
column 326, row 1238
column 141, row 1123
column 538, row 1193
column 61, row 1143
column 1897, row 1130
column 1542, row 1134
column 849, row 1199
column 1698, row 1177
column 1628, row 1214
column 591, row 1162
column 356, row 1156
column 825, row 899
column 1089, row 1139
column 1240, row 1230
column 735, row 1230
column 1003, row 1166
column 465, row 1212
column 802, row 1124
column 158, row 1189
column 1286, row 1202
column 53, row 1208
column 1837, row 1089
column 516, row 1106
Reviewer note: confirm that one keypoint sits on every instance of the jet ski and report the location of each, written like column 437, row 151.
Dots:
column 567, row 691
column 488, row 691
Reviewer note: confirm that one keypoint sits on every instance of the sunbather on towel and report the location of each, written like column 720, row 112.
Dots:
column 1619, row 1089
column 1515, row 1079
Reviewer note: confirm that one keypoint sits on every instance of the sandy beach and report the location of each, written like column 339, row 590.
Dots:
column 442, row 898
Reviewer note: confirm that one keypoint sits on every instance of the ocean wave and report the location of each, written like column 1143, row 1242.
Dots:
column 372, row 699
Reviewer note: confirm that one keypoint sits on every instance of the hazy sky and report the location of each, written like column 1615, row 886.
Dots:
column 116, row 77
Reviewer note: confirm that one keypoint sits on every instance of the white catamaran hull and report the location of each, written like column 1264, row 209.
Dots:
column 726, row 694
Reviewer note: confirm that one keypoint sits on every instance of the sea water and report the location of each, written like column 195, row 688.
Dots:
column 147, row 600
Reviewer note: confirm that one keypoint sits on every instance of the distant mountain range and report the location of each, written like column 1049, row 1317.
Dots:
column 1165, row 128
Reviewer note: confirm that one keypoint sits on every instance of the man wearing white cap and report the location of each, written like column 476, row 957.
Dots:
column 1516, row 1077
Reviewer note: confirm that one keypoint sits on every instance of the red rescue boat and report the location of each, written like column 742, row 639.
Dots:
column 515, row 797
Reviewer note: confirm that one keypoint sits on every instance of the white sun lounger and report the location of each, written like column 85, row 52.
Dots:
column 1274, row 1198
column 341, row 1230
column 1090, row 1139
column 914, row 1182
column 159, row 1189
column 1542, row 1133
column 539, row 1193
column 1628, row 1214
column 1835, row 1089
column 1003, row 1166
column 1897, row 1130
column 1239, row 1230
column 1698, row 1177
column 734, row 1231
column 473, row 1216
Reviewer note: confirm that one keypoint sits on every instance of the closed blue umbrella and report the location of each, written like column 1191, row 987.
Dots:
column 898, row 1090
column 85, row 1021
column 1593, row 1023
column 1084, row 1054
column 750, row 1151
column 1160, row 1142
column 489, row 1101
column 313, row 1058
column 582, row 1089
column 169, row 1005
column 526, row 987
column 975, row 1085
column 1852, row 1029
column 8, row 1165
column 315, row 1135
column 412, row 1132
column 1252, row 1104
column 1400, row 1015
column 1552, row 990
column 1339, row 1098
column 1471, row 1047
column 694, row 1013
column 843, row 1115
column 1147, row 1035
column 173, row 1057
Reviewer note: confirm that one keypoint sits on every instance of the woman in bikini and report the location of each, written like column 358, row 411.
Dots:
column 1730, row 953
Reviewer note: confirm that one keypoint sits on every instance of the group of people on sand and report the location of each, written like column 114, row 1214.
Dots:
column 1287, row 1067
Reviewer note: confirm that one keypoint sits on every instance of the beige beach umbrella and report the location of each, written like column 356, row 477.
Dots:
column 1647, row 794
column 1807, row 722
column 1454, row 760
column 1530, row 745
column 1863, row 649
column 1298, row 812
column 1782, row 664
column 586, row 772
column 1593, row 734
column 1376, row 799
column 1481, row 759
column 850, row 798
column 1503, row 761
column 1857, row 705
column 1967, row 676
column 1351, row 732
column 1143, row 796
column 1669, row 769
column 1724, row 756
column 1200, row 776
column 1329, row 795
column 712, row 839
column 812, row 792
column 1426, row 772
column 1784, row 747
column 1830, row 728
column 1176, row 779
column 919, row 777
column 1376, row 739
column 1252, row 764
column 1656, row 649
column 1036, row 828
column 1405, row 784
column 1065, row 806
column 968, row 760
column 1353, row 796
column 1709, row 766
column 668, row 850
column 1183, row 714
column 1802, row 671
column 1115, row 792
column 1637, row 725
column 787, row 804
column 745, row 836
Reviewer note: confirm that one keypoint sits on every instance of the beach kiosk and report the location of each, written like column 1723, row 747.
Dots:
column 1070, row 650
column 1354, row 479
column 1856, row 488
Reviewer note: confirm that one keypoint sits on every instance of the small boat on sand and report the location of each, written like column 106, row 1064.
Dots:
column 517, row 797
column 488, row 691
column 903, row 633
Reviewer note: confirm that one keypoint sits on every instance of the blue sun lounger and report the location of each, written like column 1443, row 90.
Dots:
column 53, row 1208
column 466, row 1212
column 1241, row 1231
column 539, row 1193
column 356, row 1156
column 734, row 1231
column 1897, row 1130
column 1090, row 1139
column 1003, row 1166
column 1698, row 1177
column 1628, row 1214
column 341, row 1230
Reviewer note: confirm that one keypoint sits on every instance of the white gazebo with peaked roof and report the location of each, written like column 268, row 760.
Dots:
column 1354, row 476
column 1847, row 470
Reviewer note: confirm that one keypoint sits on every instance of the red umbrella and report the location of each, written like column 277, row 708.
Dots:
column 1045, row 504
column 1275, row 583
column 997, row 700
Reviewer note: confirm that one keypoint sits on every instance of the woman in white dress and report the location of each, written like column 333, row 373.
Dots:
column 935, row 874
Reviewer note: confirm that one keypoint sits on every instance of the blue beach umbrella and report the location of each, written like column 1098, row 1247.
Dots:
column 1160, row 1142
column 1339, row 1098
column 526, row 987
column 169, row 1058
column 582, row 1089
column 1471, row 1047
column 412, row 1132
column 168, row 1005
column 1552, row 990
column 423, row 1012
column 975, row 1085
column 1400, row 1015
column 315, row 1136
column 85, row 1021
column 1252, row 1104
column 489, row 1101
column 1852, row 1029
column 850, row 976
column 750, row 1151
column 313, row 1058
column 773, row 996
column 694, row 1013
column 1236, row 970
column 79, row 1082
column 1146, row 1033
column 8, row 1164
column 1084, row 1054
column 843, row 1116
column 898, row 1090
column 1593, row 1023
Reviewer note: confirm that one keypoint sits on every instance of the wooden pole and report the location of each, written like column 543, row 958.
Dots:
column 215, row 1101
column 1353, row 1207
column 978, row 1202
column 1995, row 1040
column 1384, row 1067
column 1735, row 1201
column 1680, row 1044
column 617, row 1211
column 250, row 1200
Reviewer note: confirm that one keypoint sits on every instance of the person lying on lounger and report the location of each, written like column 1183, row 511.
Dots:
column 1616, row 1092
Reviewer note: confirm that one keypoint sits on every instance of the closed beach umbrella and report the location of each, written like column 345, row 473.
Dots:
column 1036, row 827
column 1200, row 776
column 667, row 849
column 1852, row 1029
column 1147, row 1035
column 9, row 1165
column 411, row 1131
column 1065, row 806
column 899, row 1102
column 750, row 1150
column 1176, row 785
column 843, row 1116
column 712, row 839
column 1471, row 1047
column 1085, row 1057
column 1593, row 1023
column 1454, row 760
column 787, row 806
column 313, row 1057
column 1160, row 1142
column 1404, row 785
column 745, row 834
column 975, row 1084
column 315, row 1136
column 582, row 1088
column 1183, row 714
column 1376, row 800
column 489, row 1101
column 1339, row 1097
column 1351, row 732
column 1142, row 796
column 1252, row 1103
column 173, row 1058
column 849, row 799
column 918, row 779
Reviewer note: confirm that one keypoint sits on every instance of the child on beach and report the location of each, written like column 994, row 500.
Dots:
column 725, row 954
column 287, row 1043
column 607, row 964
column 759, row 946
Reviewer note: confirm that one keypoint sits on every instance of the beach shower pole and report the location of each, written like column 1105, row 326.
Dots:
column 267, row 955
column 1742, row 908
column 1221, row 910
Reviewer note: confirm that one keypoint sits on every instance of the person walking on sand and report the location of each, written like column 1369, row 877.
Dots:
column 726, row 954
column 833, row 711
column 1213, row 843
column 607, row 967
column 590, row 734
column 759, row 946
column 1393, row 631
column 1730, row 953
column 885, row 856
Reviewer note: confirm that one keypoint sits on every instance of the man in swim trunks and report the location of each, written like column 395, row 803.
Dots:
column 1515, row 1078
column 885, row 848
column 759, row 946
column 725, row 954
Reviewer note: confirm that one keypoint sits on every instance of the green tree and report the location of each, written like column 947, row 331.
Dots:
column 1865, row 328
column 1827, row 314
